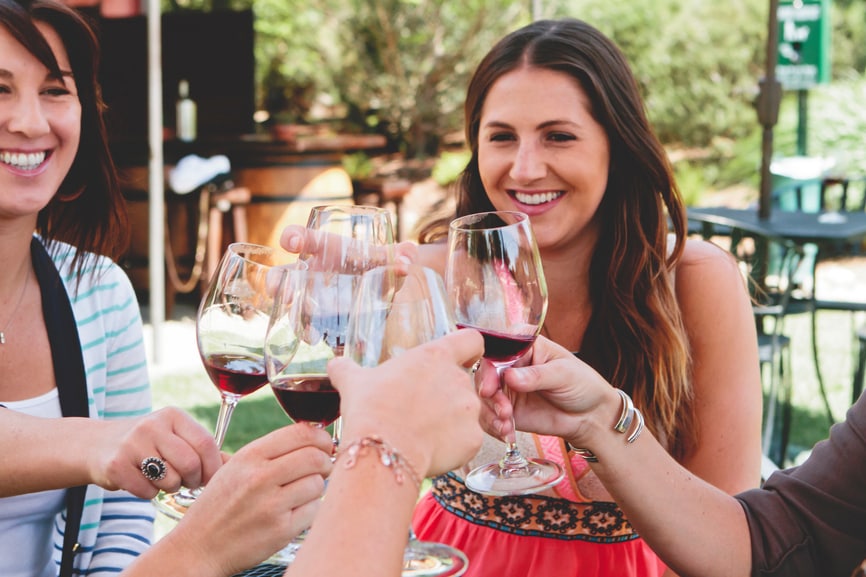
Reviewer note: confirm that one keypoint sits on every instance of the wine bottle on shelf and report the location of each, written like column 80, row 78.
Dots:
column 186, row 113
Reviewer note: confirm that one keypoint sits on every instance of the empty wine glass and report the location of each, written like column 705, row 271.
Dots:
column 495, row 281
column 398, row 307
column 341, row 243
column 231, row 324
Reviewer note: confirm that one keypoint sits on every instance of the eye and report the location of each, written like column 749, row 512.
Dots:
column 501, row 137
column 561, row 137
column 56, row 91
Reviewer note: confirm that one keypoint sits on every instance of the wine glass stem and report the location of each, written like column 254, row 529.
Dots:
column 227, row 407
column 513, row 460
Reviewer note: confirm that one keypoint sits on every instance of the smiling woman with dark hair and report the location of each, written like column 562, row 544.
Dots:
column 557, row 129
column 70, row 330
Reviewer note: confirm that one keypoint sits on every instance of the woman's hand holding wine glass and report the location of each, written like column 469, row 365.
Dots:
column 495, row 280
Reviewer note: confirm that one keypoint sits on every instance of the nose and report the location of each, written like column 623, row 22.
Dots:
column 28, row 118
column 529, row 164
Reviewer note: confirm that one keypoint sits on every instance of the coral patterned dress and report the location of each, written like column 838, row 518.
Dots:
column 573, row 530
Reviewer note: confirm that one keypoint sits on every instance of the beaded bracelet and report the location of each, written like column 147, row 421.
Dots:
column 388, row 456
column 629, row 414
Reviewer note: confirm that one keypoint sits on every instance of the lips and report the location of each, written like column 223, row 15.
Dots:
column 23, row 160
column 536, row 198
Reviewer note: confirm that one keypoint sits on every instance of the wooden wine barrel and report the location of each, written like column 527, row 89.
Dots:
column 283, row 192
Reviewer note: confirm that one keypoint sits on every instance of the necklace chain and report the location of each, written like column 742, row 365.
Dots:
column 15, row 310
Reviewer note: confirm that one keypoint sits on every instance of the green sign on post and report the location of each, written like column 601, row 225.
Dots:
column 804, row 43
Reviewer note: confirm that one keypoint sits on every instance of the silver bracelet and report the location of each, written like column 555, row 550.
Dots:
column 628, row 415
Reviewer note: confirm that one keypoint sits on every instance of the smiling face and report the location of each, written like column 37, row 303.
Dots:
column 40, row 125
column 540, row 151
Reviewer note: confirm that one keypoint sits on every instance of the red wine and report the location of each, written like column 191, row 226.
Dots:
column 502, row 347
column 236, row 374
column 310, row 399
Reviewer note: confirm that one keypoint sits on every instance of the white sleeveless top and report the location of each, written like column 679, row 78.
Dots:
column 26, row 521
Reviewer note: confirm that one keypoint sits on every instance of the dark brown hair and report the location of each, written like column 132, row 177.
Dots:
column 635, row 337
column 88, row 211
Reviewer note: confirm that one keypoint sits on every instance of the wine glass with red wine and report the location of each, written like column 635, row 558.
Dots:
column 495, row 281
column 231, row 324
column 398, row 307
column 342, row 243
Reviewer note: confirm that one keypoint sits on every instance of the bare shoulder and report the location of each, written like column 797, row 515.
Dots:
column 707, row 272
column 702, row 257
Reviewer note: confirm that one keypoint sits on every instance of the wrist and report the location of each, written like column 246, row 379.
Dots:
column 413, row 449
column 615, row 418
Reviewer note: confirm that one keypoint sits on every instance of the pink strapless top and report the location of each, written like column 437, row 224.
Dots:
column 557, row 534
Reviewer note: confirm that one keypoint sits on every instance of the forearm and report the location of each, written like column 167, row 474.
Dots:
column 697, row 529
column 363, row 524
column 44, row 453
column 181, row 553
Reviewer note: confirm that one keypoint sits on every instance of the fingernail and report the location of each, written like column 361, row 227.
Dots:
column 497, row 410
column 294, row 244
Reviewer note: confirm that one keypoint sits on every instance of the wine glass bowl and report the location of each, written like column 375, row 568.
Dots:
column 231, row 323
column 495, row 280
column 304, row 334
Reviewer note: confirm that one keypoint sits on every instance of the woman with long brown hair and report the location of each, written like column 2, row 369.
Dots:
column 557, row 129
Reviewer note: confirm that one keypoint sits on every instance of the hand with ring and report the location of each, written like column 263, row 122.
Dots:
column 162, row 450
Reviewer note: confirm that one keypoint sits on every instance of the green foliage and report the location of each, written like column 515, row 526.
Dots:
column 696, row 61
column 358, row 165
column 449, row 165
column 837, row 123
column 407, row 62
column 690, row 179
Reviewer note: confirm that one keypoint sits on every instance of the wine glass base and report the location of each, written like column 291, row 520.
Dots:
column 492, row 479
column 426, row 559
column 175, row 505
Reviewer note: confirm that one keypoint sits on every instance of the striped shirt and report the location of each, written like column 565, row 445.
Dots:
column 115, row 526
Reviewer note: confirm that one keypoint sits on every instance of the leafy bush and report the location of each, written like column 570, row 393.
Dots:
column 695, row 61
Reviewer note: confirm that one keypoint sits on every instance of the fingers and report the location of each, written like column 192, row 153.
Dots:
column 285, row 441
column 406, row 251
column 466, row 345
column 292, row 238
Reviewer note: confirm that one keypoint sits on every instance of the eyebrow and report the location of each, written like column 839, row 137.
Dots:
column 546, row 124
column 63, row 74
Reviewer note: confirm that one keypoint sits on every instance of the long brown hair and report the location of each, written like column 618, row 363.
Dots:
column 88, row 211
column 636, row 335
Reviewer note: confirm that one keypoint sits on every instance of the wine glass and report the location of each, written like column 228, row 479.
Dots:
column 495, row 281
column 231, row 323
column 398, row 307
column 341, row 243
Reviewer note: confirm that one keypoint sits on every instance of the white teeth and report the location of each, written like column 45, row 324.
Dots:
column 533, row 199
column 23, row 160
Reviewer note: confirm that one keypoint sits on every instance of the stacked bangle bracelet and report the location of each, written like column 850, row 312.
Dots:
column 630, row 415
